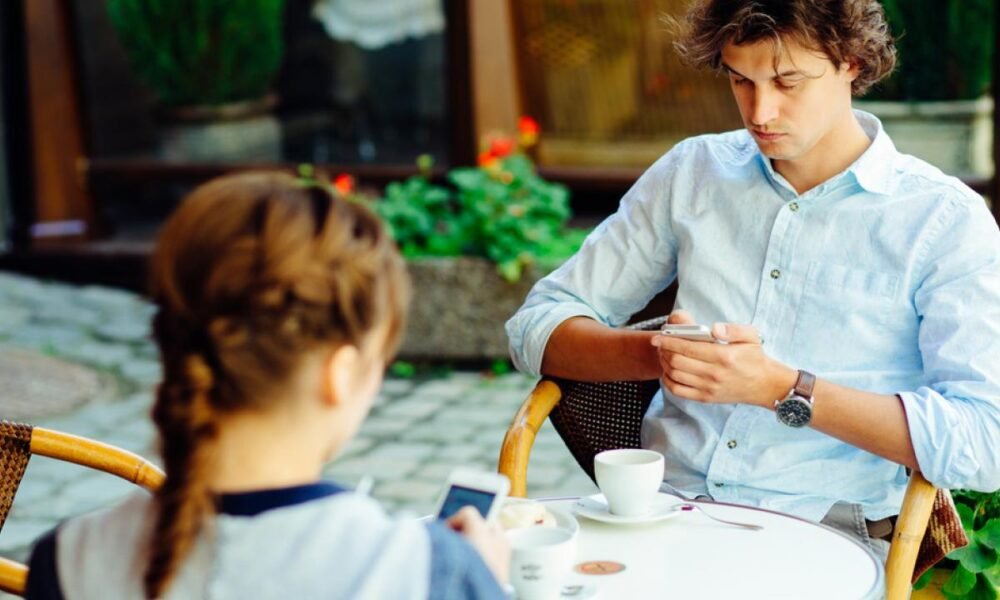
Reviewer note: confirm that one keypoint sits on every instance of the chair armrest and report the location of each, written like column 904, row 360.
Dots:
column 907, row 536
column 520, row 437
column 13, row 577
column 96, row 455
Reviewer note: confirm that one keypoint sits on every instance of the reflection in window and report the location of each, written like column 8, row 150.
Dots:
column 344, row 90
column 603, row 72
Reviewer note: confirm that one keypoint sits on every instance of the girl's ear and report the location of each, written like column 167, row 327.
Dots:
column 339, row 375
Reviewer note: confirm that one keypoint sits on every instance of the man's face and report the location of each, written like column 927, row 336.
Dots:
column 795, row 108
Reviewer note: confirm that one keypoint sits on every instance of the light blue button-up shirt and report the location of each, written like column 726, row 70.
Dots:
column 886, row 278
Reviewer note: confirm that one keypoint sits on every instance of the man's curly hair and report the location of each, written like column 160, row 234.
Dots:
column 847, row 31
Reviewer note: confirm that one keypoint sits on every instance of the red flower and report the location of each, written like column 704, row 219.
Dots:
column 501, row 147
column 527, row 131
column 344, row 184
column 528, row 125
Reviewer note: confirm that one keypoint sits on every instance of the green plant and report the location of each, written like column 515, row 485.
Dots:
column 945, row 49
column 501, row 210
column 976, row 567
column 201, row 52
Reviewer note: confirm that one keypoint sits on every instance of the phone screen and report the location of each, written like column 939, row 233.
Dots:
column 459, row 496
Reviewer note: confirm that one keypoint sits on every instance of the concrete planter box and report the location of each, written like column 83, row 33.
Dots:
column 955, row 136
column 459, row 309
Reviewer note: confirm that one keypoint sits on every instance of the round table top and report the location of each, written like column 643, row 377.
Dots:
column 690, row 556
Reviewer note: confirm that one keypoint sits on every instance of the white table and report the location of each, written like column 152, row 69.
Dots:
column 688, row 556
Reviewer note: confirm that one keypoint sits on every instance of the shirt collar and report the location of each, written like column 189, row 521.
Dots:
column 248, row 504
column 872, row 170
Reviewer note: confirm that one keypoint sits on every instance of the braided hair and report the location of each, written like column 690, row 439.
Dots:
column 251, row 273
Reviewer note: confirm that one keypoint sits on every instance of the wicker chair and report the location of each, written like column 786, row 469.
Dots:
column 18, row 442
column 593, row 417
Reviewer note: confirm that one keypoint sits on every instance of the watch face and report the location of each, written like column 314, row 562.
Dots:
column 794, row 412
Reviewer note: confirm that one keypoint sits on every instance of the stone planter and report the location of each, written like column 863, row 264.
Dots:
column 239, row 131
column 459, row 309
column 955, row 136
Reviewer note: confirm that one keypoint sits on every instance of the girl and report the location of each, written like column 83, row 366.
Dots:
column 278, row 307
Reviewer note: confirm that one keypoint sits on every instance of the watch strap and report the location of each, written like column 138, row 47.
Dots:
column 804, row 385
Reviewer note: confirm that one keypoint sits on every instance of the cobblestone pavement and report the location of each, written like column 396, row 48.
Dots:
column 419, row 428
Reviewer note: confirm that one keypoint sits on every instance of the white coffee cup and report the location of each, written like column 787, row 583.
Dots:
column 629, row 479
column 540, row 559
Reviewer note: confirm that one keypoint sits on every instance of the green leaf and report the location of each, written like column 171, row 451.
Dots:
column 403, row 369
column 924, row 580
column 993, row 575
column 978, row 557
column 960, row 583
column 989, row 534
column 983, row 590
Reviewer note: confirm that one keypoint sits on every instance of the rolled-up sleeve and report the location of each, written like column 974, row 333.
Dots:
column 623, row 263
column 954, row 420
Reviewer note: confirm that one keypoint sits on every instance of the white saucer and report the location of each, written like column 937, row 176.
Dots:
column 596, row 507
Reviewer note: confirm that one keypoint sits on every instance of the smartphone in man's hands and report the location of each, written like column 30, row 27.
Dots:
column 698, row 333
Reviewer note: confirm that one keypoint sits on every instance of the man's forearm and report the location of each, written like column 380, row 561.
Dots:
column 585, row 350
column 873, row 422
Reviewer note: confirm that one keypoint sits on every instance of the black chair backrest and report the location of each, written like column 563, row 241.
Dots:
column 594, row 417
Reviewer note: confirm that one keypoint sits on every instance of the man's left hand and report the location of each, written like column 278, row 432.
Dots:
column 737, row 371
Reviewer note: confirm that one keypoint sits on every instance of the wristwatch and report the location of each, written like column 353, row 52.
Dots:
column 796, row 409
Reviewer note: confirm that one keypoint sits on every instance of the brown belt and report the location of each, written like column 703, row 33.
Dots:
column 881, row 529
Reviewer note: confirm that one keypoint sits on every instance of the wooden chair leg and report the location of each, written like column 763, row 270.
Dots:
column 910, row 528
column 516, row 448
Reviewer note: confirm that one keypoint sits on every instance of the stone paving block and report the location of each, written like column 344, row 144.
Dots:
column 434, row 432
column 401, row 450
column 418, row 493
column 416, row 409
column 396, row 386
column 489, row 415
column 381, row 469
column 436, row 471
column 124, row 330
column 111, row 299
column 358, row 445
column 454, row 386
column 49, row 469
column 101, row 354
column 46, row 338
column 99, row 417
column 12, row 318
column 458, row 452
column 19, row 535
column 143, row 371
column 383, row 428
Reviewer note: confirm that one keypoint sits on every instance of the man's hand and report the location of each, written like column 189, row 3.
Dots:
column 487, row 538
column 735, row 372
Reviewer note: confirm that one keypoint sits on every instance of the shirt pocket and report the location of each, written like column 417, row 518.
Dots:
column 854, row 319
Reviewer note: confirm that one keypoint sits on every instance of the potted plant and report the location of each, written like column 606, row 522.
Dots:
column 210, row 65
column 972, row 572
column 474, row 246
column 937, row 105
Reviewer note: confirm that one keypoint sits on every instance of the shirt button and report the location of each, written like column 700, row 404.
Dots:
column 719, row 484
column 794, row 206
column 775, row 273
column 731, row 444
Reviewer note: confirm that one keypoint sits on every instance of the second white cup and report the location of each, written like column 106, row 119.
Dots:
column 629, row 478
column 541, row 557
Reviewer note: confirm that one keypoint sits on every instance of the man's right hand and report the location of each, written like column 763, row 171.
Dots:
column 487, row 538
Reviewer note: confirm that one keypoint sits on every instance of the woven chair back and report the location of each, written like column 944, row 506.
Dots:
column 15, row 450
column 594, row 417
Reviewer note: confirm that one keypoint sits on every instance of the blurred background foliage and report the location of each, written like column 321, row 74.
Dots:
column 945, row 49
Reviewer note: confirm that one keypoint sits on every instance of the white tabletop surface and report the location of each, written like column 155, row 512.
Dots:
column 690, row 557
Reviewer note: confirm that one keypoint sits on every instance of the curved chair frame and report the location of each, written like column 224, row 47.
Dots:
column 600, row 416
column 19, row 441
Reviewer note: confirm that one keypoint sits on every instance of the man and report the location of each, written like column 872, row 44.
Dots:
column 857, row 289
